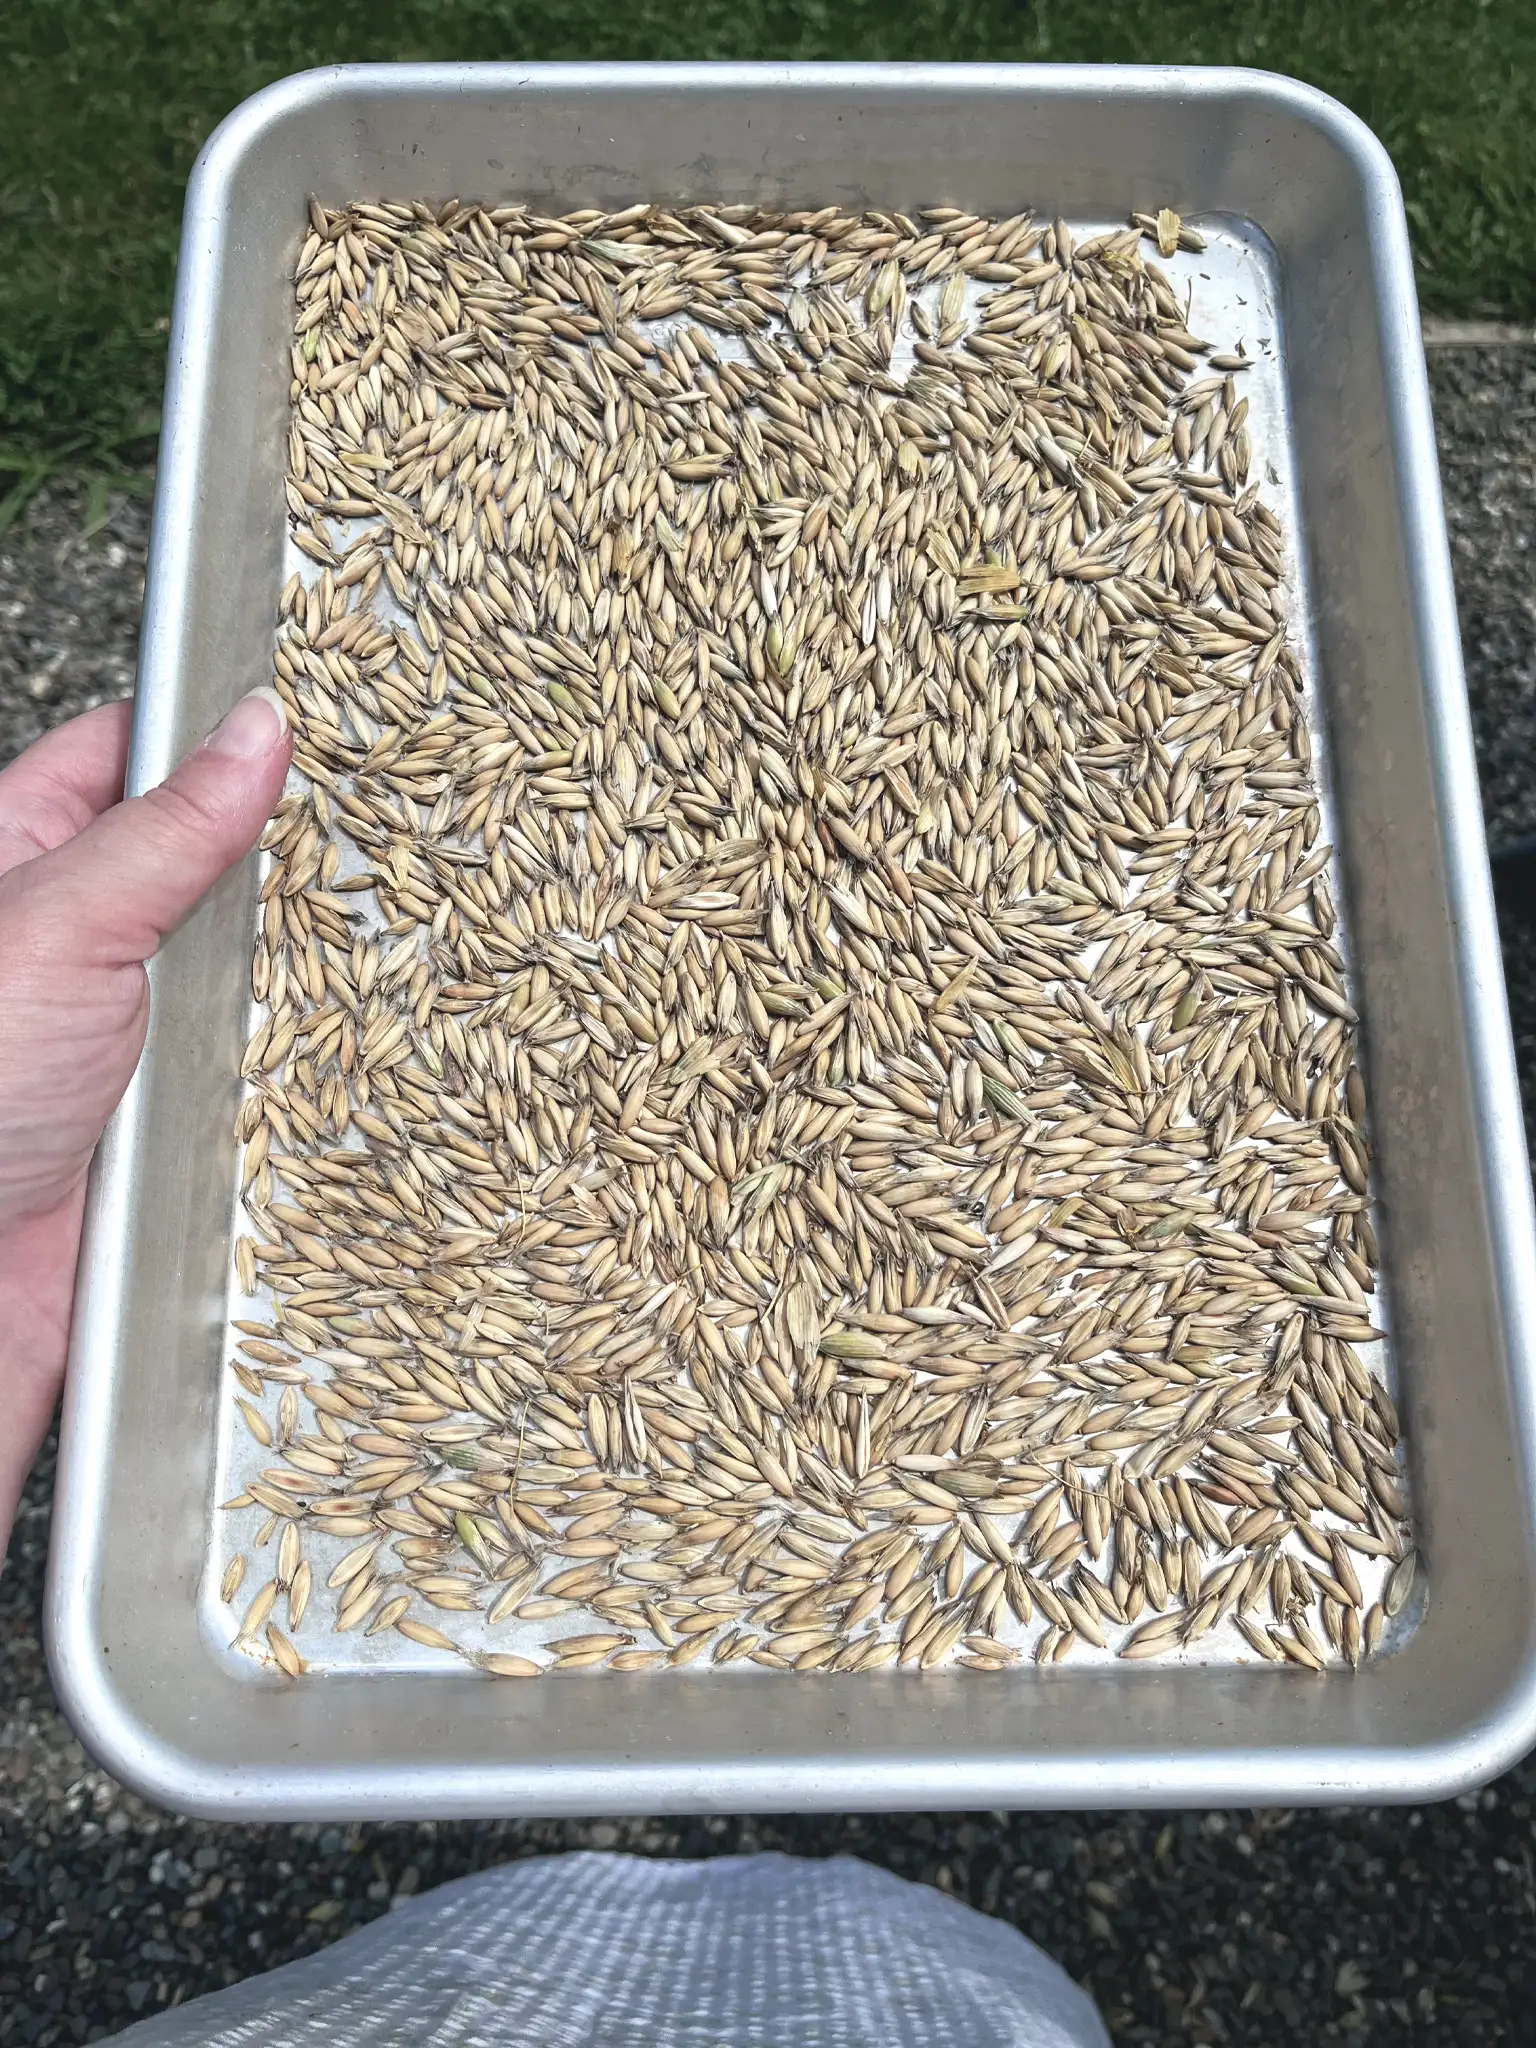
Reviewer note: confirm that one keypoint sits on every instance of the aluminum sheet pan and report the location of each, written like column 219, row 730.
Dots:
column 1307, row 264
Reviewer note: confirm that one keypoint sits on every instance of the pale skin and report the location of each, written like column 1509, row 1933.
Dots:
column 90, row 886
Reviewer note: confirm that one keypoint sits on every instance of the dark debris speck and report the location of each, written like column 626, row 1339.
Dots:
column 1369, row 1926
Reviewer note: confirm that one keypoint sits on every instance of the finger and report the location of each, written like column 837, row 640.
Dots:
column 62, row 781
column 130, row 878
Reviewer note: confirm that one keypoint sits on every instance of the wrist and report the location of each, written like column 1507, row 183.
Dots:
column 37, row 1277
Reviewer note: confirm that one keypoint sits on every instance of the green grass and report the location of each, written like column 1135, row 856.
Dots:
column 103, row 104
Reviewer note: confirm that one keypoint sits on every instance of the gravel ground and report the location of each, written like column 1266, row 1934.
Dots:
column 1382, row 1925
column 69, row 612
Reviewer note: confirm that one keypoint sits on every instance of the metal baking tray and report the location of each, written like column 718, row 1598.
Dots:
column 1308, row 263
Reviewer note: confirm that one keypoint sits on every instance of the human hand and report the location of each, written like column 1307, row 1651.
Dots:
column 89, row 887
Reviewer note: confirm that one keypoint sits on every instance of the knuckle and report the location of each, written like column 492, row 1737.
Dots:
column 24, row 909
column 183, row 809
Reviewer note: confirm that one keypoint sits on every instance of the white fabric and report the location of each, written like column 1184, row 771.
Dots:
column 600, row 1951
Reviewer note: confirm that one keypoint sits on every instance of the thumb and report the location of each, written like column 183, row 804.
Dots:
column 130, row 877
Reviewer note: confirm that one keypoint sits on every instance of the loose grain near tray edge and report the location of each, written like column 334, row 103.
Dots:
column 709, row 1195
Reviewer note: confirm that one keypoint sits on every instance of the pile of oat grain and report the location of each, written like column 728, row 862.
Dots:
column 805, row 1105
